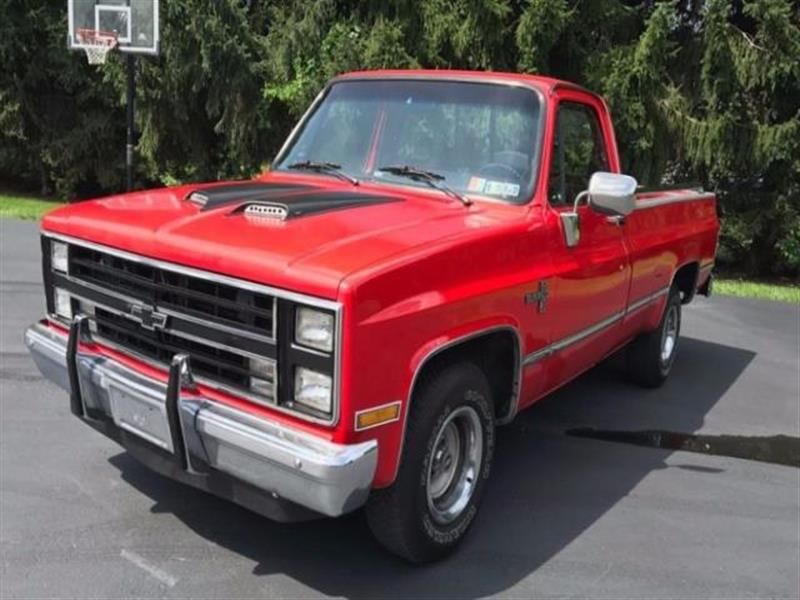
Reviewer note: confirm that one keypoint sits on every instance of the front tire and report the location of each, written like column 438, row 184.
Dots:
column 425, row 514
column 652, row 354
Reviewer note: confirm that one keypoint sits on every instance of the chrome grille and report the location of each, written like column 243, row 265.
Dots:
column 207, row 361
column 202, row 298
column 218, row 325
column 240, row 335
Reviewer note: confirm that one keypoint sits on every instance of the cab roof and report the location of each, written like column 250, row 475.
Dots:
column 542, row 83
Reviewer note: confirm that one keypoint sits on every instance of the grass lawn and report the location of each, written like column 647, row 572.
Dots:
column 762, row 291
column 13, row 206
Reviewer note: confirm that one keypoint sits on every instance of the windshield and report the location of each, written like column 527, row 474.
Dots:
column 482, row 139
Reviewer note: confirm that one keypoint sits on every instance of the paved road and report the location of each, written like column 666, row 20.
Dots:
column 563, row 517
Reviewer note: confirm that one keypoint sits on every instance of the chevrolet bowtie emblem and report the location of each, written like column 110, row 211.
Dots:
column 539, row 297
column 147, row 317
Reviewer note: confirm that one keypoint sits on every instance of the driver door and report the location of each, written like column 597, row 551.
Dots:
column 590, row 284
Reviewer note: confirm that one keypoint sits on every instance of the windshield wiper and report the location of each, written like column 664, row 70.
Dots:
column 323, row 167
column 434, row 180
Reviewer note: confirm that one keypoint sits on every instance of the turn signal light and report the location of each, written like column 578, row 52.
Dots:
column 378, row 416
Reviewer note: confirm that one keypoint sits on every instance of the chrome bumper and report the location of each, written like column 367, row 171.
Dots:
column 202, row 437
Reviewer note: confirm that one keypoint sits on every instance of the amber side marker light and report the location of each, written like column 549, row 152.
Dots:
column 377, row 416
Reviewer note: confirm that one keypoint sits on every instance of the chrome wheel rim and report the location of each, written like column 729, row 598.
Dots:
column 669, row 337
column 454, row 465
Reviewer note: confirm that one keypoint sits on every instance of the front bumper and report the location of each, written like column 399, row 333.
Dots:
column 272, row 469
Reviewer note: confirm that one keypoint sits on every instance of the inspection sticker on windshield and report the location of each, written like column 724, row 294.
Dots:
column 489, row 187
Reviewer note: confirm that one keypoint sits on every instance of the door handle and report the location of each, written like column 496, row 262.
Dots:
column 618, row 220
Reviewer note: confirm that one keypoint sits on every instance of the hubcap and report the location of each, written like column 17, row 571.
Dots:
column 669, row 337
column 454, row 466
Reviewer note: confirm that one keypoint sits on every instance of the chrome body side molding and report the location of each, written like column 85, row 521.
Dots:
column 642, row 302
column 594, row 329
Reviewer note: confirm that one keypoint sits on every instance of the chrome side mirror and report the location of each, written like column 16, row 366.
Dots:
column 612, row 194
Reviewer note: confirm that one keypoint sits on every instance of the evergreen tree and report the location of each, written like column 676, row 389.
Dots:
column 58, row 121
column 707, row 90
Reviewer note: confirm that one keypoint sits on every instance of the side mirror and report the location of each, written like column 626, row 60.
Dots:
column 612, row 194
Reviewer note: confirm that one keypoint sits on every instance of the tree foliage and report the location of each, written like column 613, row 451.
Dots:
column 58, row 124
column 707, row 90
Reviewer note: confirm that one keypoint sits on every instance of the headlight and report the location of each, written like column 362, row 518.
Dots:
column 59, row 257
column 62, row 303
column 314, row 329
column 312, row 389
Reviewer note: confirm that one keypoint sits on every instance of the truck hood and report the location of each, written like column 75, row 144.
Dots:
column 294, row 235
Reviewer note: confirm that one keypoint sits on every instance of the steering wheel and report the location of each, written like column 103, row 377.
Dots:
column 495, row 166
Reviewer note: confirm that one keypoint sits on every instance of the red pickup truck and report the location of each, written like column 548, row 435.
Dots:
column 431, row 252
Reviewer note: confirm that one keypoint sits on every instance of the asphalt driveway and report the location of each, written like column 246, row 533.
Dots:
column 564, row 516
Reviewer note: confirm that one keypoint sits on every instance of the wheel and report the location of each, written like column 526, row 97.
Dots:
column 652, row 354
column 446, row 460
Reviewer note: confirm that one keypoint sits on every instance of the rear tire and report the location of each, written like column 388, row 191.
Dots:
column 652, row 354
column 447, row 455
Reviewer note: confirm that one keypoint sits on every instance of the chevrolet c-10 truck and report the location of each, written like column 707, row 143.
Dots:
column 430, row 253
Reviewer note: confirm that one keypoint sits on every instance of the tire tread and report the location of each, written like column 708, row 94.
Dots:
column 391, row 525
column 643, row 355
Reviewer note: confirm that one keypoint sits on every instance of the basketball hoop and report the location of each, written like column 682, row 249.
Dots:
column 96, row 44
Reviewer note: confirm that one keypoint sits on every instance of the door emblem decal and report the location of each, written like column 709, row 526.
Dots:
column 539, row 297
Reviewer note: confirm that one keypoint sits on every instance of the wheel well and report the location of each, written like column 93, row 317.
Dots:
column 496, row 353
column 686, row 280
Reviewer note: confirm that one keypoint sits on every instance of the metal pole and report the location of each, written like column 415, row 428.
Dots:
column 131, row 141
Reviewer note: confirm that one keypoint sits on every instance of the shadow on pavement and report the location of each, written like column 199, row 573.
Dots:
column 546, row 489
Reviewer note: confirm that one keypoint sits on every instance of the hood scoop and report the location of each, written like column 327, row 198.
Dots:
column 278, row 212
column 307, row 203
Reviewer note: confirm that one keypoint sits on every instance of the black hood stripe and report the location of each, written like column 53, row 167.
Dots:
column 214, row 196
column 315, row 202
column 298, row 200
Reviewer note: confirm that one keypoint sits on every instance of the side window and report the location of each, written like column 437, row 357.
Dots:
column 578, row 151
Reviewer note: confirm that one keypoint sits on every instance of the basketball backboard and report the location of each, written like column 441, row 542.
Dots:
column 134, row 23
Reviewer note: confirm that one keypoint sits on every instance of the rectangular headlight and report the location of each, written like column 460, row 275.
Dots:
column 59, row 257
column 62, row 303
column 314, row 329
column 313, row 389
